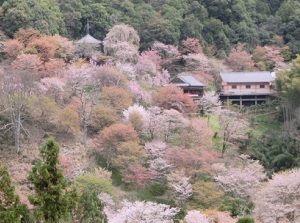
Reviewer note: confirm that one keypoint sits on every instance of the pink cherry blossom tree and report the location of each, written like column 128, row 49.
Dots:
column 169, row 122
column 136, row 176
column 53, row 87
column 243, row 179
column 122, row 42
column 148, row 69
column 109, row 204
column 169, row 54
column 181, row 188
column 231, row 127
column 191, row 45
column 127, row 69
column 159, row 168
column 239, row 59
column 134, row 112
column 79, row 79
column 194, row 216
column 152, row 122
column 194, row 62
column 166, row 52
column 181, row 158
column 162, row 124
column 155, row 149
column 210, row 103
column 279, row 199
column 140, row 95
column 144, row 212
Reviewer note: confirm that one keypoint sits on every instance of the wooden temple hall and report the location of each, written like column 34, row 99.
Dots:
column 246, row 88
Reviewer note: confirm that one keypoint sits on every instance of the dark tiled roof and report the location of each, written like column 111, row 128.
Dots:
column 247, row 77
column 187, row 80
column 88, row 39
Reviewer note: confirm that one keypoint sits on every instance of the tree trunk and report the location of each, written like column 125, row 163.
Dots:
column 84, row 140
column 17, row 128
column 223, row 149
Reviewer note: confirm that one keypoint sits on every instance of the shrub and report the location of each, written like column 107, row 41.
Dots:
column 90, row 181
column 245, row 219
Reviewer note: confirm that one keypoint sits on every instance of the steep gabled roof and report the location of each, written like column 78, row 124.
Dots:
column 186, row 80
column 247, row 77
column 88, row 39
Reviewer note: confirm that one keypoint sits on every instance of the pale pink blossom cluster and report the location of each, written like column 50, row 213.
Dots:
column 279, row 199
column 144, row 212
column 165, row 51
column 148, row 69
column 138, row 93
column 197, row 61
column 243, row 180
column 161, row 123
column 194, row 216
column 159, row 168
column 183, row 190
column 136, row 108
column 155, row 148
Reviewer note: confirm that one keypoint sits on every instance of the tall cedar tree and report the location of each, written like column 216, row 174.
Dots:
column 52, row 201
column 11, row 210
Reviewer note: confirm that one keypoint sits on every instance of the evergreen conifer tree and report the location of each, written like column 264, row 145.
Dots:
column 11, row 210
column 90, row 208
column 51, row 199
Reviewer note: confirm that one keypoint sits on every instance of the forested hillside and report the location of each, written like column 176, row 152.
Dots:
column 218, row 24
column 94, row 132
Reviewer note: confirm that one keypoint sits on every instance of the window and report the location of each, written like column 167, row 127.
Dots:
column 233, row 86
column 248, row 86
column 262, row 86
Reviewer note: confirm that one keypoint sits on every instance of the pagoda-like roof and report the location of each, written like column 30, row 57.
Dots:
column 88, row 39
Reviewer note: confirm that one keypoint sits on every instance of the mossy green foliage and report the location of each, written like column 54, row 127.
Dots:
column 245, row 219
column 261, row 124
column 236, row 206
column 214, row 125
column 90, row 208
column 90, row 181
column 11, row 210
column 206, row 195
column 153, row 192
column 51, row 199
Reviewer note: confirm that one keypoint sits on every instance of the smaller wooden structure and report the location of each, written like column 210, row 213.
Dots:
column 190, row 85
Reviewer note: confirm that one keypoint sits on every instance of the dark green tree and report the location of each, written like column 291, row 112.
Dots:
column 51, row 199
column 153, row 27
column 90, row 208
column 191, row 27
column 288, row 84
column 99, row 19
column 275, row 153
column 43, row 15
column 11, row 210
column 72, row 12
column 289, row 12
